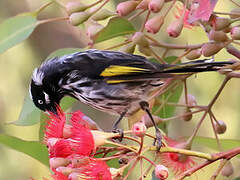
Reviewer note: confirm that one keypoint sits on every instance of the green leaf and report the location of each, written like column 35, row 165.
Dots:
column 117, row 26
column 16, row 29
column 212, row 143
column 29, row 115
column 64, row 51
column 34, row 149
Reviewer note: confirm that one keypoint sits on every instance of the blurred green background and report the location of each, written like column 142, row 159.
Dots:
column 17, row 64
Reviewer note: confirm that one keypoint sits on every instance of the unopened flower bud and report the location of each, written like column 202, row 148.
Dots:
column 125, row 8
column 139, row 38
column 227, row 169
column 156, row 5
column 220, row 23
column 75, row 6
column 65, row 170
column 102, row 14
column 194, row 54
column 145, row 50
column 79, row 18
column 161, row 172
column 58, row 161
column 235, row 13
column 93, row 29
column 129, row 48
column 235, row 33
column 220, row 126
column 154, row 24
column 143, row 4
column 175, row 28
column 139, row 129
column 209, row 49
column 191, row 100
column 188, row 116
column 218, row 36
column 67, row 130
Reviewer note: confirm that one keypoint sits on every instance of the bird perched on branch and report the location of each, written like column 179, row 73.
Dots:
column 110, row 81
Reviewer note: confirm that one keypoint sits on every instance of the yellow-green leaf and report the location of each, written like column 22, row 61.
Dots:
column 117, row 26
column 16, row 29
column 33, row 149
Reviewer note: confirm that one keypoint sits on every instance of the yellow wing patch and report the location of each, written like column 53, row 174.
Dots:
column 115, row 70
column 117, row 81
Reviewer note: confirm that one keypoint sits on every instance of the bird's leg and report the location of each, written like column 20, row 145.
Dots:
column 115, row 126
column 145, row 106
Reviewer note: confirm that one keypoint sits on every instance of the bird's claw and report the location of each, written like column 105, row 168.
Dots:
column 120, row 132
column 158, row 140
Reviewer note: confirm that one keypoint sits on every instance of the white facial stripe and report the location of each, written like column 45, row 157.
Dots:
column 30, row 93
column 37, row 77
column 46, row 96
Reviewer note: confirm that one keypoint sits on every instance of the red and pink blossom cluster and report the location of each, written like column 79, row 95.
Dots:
column 71, row 148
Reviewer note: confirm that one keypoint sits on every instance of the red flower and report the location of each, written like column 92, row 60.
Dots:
column 178, row 162
column 78, row 141
column 55, row 125
column 95, row 170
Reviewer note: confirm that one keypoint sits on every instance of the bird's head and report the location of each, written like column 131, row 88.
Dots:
column 43, row 96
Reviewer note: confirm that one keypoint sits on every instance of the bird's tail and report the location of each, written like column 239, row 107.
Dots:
column 196, row 66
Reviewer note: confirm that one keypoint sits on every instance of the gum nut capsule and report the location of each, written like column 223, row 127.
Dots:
column 139, row 38
column 220, row 23
column 79, row 18
column 218, row 36
column 187, row 117
column 194, row 54
column 220, row 126
column 209, row 49
column 75, row 6
column 235, row 33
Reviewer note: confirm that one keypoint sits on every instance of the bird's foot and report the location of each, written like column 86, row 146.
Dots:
column 158, row 140
column 120, row 132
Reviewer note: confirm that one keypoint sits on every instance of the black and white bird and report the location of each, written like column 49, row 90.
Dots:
column 110, row 81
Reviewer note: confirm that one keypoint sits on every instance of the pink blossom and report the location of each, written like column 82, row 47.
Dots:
column 201, row 10
column 177, row 162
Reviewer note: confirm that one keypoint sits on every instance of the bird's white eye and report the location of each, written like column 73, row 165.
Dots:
column 40, row 101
